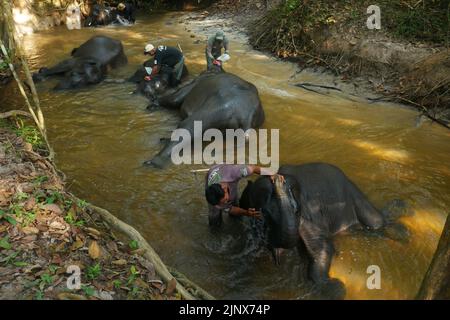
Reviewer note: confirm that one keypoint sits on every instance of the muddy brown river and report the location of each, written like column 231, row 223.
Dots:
column 102, row 134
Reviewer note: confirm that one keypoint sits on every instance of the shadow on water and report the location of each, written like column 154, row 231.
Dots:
column 102, row 134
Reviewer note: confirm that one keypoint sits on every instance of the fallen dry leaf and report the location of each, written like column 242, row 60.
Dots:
column 70, row 296
column 53, row 208
column 120, row 262
column 139, row 251
column 93, row 233
column 30, row 230
column 94, row 250
column 171, row 286
column 77, row 245
column 29, row 204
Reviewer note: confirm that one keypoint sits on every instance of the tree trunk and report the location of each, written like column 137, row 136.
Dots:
column 436, row 284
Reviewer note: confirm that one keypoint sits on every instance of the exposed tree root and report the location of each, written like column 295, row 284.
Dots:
column 152, row 256
column 14, row 113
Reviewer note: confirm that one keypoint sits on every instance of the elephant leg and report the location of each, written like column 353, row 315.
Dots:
column 366, row 213
column 120, row 60
column 320, row 249
column 60, row 68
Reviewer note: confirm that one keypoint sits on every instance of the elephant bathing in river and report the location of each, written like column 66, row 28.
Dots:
column 88, row 65
column 220, row 100
column 316, row 202
column 164, row 81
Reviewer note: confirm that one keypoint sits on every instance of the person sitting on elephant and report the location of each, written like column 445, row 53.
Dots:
column 221, row 190
column 126, row 11
column 166, row 58
column 214, row 48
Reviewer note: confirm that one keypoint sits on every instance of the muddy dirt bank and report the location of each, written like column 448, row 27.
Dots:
column 393, row 67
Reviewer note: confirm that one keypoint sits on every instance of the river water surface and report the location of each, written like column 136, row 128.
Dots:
column 102, row 134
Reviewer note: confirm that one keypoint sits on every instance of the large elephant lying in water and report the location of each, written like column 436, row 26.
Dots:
column 316, row 202
column 220, row 100
column 88, row 65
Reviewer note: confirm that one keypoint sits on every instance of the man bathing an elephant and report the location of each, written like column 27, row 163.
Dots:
column 165, row 57
column 221, row 190
column 214, row 48
column 126, row 11
column 314, row 203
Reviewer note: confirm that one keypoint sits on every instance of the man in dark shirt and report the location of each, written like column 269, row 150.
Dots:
column 167, row 57
column 126, row 11
column 221, row 190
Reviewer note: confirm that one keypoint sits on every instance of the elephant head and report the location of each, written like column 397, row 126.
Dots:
column 154, row 87
column 84, row 72
column 278, row 204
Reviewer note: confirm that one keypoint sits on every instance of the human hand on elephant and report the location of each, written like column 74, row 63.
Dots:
column 252, row 212
column 279, row 176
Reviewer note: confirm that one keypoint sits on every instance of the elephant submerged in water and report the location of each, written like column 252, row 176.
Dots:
column 316, row 202
column 88, row 65
column 161, row 84
column 219, row 100
column 102, row 15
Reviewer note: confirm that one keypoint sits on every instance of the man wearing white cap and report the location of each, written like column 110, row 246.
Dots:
column 166, row 57
column 214, row 47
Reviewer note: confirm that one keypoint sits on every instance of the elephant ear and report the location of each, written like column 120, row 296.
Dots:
column 246, row 200
column 73, row 51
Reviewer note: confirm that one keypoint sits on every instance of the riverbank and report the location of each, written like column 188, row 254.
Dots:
column 46, row 233
column 400, row 62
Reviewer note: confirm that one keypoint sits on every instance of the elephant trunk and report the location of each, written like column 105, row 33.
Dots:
column 287, row 232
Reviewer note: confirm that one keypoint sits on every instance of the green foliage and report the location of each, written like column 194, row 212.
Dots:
column 18, row 211
column 40, row 180
column 4, row 243
column 287, row 28
column 3, row 65
column 133, row 275
column 133, row 245
column 46, row 279
column 10, row 258
column 39, row 295
column 53, row 268
column 55, row 196
column 20, row 196
column 8, row 217
column 94, row 271
column 117, row 284
column 291, row 5
column 88, row 290
column 31, row 135
column 427, row 22
column 82, row 204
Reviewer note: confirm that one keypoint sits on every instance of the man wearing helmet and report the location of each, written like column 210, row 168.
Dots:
column 214, row 48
